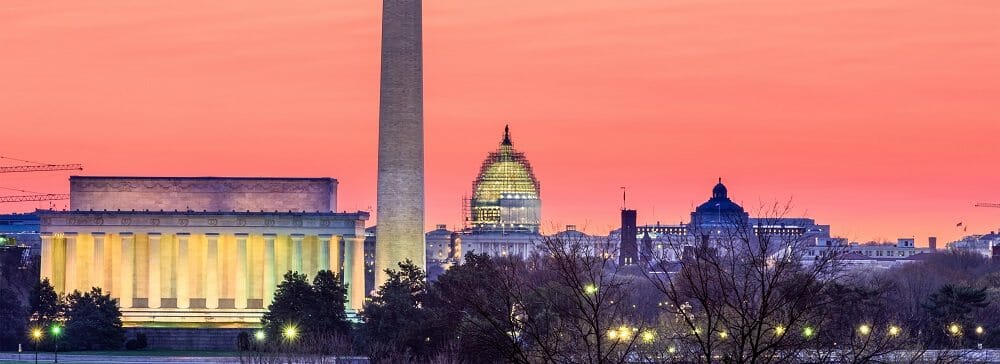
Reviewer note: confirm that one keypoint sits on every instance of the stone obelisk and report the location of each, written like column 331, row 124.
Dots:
column 400, row 210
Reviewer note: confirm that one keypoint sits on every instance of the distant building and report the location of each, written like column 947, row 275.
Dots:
column 24, row 228
column 868, row 255
column 711, row 220
column 982, row 244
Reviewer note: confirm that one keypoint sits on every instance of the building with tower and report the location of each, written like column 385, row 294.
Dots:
column 400, row 201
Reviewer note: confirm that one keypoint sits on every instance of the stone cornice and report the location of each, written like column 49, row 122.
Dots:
column 201, row 184
column 202, row 220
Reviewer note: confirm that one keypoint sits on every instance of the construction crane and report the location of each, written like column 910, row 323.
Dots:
column 34, row 167
column 41, row 197
column 37, row 167
column 988, row 204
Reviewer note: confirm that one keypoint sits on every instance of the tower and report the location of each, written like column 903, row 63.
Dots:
column 628, row 252
column 400, row 206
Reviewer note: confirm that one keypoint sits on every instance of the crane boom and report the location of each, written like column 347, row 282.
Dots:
column 43, row 167
column 25, row 198
column 988, row 204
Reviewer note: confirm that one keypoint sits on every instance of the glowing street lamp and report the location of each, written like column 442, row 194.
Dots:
column 36, row 336
column 648, row 336
column 624, row 332
column 864, row 329
column 980, row 330
column 723, row 335
column 290, row 332
column 779, row 330
column 808, row 332
column 894, row 330
column 260, row 335
column 590, row 289
column 955, row 329
column 56, row 330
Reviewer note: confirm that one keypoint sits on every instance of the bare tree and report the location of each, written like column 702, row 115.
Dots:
column 742, row 289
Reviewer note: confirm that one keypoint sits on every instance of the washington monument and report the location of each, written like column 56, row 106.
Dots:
column 400, row 210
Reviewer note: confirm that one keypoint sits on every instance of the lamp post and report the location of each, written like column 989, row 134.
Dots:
column 36, row 336
column 56, row 331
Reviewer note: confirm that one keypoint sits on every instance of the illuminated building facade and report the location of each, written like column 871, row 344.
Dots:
column 506, row 195
column 201, row 252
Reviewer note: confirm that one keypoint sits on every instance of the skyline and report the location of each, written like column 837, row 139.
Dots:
column 164, row 89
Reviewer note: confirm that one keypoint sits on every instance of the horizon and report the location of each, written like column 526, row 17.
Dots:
column 876, row 118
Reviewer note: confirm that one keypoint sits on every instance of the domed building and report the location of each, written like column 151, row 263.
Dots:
column 718, row 210
column 506, row 194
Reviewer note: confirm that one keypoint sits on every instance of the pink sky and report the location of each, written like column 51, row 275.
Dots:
column 877, row 116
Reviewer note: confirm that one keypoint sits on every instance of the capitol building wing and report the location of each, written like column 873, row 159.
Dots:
column 199, row 266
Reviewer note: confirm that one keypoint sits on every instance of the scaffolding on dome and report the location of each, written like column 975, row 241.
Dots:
column 505, row 195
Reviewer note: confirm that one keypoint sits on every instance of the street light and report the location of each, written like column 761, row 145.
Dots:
column 864, row 329
column 290, row 332
column 56, row 331
column 259, row 335
column 36, row 336
column 779, row 330
column 955, row 329
column 590, row 289
column 980, row 330
column 808, row 332
column 894, row 330
column 648, row 336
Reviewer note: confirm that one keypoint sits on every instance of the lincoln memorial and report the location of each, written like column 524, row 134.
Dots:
column 199, row 252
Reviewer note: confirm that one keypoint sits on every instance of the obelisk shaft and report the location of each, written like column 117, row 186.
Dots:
column 400, row 210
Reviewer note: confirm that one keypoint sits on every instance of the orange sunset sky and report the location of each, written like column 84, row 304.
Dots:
column 879, row 117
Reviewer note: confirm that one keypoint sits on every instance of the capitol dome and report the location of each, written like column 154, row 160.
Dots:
column 719, row 210
column 505, row 195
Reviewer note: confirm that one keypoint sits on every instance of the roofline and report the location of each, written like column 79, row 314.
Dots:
column 364, row 214
column 207, row 177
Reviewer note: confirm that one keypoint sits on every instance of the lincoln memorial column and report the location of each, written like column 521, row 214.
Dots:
column 47, row 256
column 242, row 278
column 297, row 252
column 335, row 255
column 323, row 261
column 183, row 276
column 97, row 266
column 269, row 269
column 212, row 263
column 354, row 272
column 153, row 287
column 127, row 274
column 72, row 274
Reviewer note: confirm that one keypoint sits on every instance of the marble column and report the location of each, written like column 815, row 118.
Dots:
column 297, row 252
column 211, row 265
column 183, row 276
column 127, row 274
column 323, row 260
column 269, row 269
column 97, row 266
column 336, row 256
column 242, row 276
column 354, row 272
column 72, row 273
column 46, row 262
column 153, row 292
